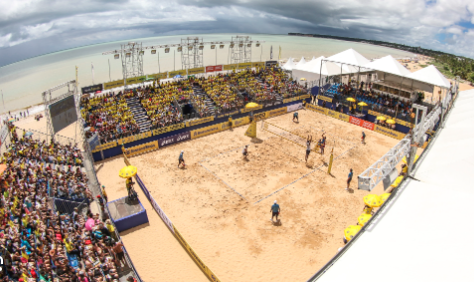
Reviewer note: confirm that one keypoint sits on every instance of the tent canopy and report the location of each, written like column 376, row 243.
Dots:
column 351, row 57
column 431, row 75
column 390, row 65
column 289, row 64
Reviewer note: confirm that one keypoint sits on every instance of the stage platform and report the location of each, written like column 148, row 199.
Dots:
column 127, row 214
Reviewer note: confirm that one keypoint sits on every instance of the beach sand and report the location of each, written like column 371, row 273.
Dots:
column 233, row 235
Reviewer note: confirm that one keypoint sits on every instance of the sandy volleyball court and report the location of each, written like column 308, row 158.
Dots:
column 232, row 235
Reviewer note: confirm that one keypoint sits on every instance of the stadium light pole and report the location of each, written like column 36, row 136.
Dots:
column 174, row 60
column 92, row 71
column 110, row 79
column 159, row 69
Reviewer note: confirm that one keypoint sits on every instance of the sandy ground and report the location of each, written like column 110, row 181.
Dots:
column 232, row 235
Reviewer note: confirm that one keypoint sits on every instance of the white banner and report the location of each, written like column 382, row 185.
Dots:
column 162, row 214
column 294, row 107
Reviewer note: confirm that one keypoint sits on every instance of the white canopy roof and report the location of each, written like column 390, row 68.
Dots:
column 315, row 62
column 289, row 64
column 300, row 63
column 431, row 75
column 424, row 235
column 390, row 65
column 350, row 56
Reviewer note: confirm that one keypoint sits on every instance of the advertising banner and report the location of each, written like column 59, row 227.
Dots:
column 113, row 84
column 143, row 187
column 166, row 129
column 317, row 109
column 214, row 68
column 243, row 66
column 404, row 123
column 388, row 132
column 105, row 146
column 199, row 121
column 271, row 63
column 92, row 89
column 157, row 76
column 362, row 123
column 228, row 114
column 240, row 121
column 294, row 107
column 325, row 98
column 338, row 115
column 230, row 67
column 135, row 137
column 399, row 121
column 175, row 73
column 288, row 100
column 195, row 71
column 205, row 131
column 162, row 214
column 195, row 257
column 260, row 116
column 277, row 112
column 183, row 136
column 140, row 149
column 135, row 80
column 258, row 64
column 244, row 110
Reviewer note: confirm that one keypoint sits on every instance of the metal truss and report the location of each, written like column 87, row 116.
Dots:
column 192, row 53
column 48, row 100
column 368, row 179
column 242, row 49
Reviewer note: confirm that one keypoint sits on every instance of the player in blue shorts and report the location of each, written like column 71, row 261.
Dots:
column 295, row 116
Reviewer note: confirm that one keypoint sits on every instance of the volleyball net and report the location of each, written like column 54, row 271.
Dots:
column 287, row 135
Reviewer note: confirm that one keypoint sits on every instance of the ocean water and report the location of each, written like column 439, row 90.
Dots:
column 23, row 82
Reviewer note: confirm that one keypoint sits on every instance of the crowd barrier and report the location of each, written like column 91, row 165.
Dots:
column 189, row 130
column 356, row 121
column 208, row 272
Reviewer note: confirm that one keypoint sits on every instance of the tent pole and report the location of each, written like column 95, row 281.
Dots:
column 320, row 70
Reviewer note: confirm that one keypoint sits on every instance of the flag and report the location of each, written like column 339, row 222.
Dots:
column 279, row 54
column 271, row 52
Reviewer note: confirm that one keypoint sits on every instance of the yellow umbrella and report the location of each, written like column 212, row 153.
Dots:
column 397, row 181
column 363, row 104
column 128, row 171
column 302, row 79
column 384, row 197
column 363, row 218
column 350, row 99
column 372, row 200
column 351, row 231
column 251, row 105
column 405, row 159
column 390, row 121
column 381, row 118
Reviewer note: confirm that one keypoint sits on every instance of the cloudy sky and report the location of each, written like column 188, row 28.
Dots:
column 33, row 27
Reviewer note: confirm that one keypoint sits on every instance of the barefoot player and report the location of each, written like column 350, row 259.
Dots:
column 363, row 137
column 181, row 159
column 308, row 147
column 295, row 116
column 245, row 151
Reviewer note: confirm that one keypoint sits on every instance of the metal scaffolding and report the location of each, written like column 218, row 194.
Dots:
column 192, row 52
column 241, row 49
column 132, row 59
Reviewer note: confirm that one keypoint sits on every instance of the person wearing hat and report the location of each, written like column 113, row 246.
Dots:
column 104, row 194
column 181, row 159
column 275, row 210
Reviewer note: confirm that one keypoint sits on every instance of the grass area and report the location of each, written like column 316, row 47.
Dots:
column 423, row 66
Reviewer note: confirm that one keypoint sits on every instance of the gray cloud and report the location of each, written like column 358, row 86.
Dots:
column 33, row 27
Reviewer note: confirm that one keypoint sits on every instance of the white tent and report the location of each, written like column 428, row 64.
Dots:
column 431, row 75
column 307, row 70
column 390, row 65
column 289, row 64
column 350, row 59
column 300, row 63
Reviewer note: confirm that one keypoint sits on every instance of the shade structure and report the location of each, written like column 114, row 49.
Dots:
column 390, row 65
column 289, row 65
column 397, row 181
column 303, row 79
column 363, row 218
column 351, row 231
column 350, row 60
column 128, row 171
column 381, row 118
column 391, row 121
column 384, row 197
column 251, row 105
column 351, row 99
column 372, row 200
column 431, row 75
column 363, row 104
